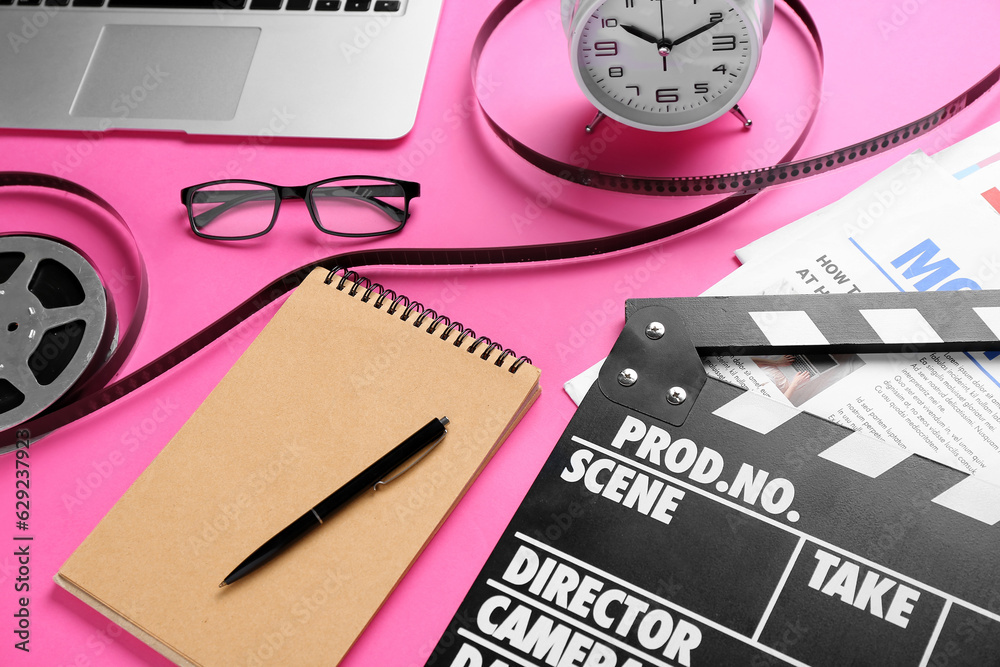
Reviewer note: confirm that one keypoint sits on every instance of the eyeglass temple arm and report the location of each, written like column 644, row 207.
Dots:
column 228, row 199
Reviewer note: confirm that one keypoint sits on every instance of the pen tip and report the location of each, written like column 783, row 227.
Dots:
column 223, row 585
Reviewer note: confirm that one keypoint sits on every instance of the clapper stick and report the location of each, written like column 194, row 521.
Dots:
column 666, row 336
column 838, row 323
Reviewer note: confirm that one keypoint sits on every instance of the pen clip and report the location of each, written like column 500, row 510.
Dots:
column 413, row 462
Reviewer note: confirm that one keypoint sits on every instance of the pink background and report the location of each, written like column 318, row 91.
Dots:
column 888, row 61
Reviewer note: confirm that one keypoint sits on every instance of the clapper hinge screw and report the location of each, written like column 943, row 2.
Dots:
column 627, row 377
column 676, row 396
column 655, row 331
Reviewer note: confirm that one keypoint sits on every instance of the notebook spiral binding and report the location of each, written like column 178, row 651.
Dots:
column 423, row 314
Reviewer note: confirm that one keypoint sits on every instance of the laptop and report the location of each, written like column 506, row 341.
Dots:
column 293, row 68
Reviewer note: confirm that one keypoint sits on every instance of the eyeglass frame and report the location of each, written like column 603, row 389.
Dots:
column 411, row 190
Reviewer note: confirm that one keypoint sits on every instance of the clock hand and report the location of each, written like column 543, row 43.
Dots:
column 695, row 33
column 664, row 45
column 632, row 30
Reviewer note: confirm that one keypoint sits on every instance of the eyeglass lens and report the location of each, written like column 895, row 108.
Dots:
column 359, row 205
column 231, row 210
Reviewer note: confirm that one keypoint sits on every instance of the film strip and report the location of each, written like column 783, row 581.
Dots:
column 740, row 183
column 97, row 387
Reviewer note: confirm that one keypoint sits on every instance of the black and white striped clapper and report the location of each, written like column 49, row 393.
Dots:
column 681, row 520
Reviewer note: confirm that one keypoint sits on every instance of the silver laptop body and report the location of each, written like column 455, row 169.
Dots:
column 350, row 72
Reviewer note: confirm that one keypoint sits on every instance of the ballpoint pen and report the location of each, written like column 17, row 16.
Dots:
column 371, row 476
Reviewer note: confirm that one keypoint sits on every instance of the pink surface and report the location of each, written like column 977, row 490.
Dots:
column 887, row 62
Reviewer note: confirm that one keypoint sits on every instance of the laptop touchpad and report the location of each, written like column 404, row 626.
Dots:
column 168, row 72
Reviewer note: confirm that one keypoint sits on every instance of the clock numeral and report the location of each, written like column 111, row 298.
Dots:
column 665, row 95
column 606, row 48
column 609, row 23
column 715, row 16
column 636, row 89
column 616, row 72
column 721, row 69
column 629, row 4
column 701, row 88
column 723, row 42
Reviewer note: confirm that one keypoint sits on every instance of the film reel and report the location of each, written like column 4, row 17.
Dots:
column 56, row 323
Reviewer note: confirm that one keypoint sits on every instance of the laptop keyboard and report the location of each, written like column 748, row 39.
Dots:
column 340, row 6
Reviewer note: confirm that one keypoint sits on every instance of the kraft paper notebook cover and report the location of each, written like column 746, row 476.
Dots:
column 331, row 384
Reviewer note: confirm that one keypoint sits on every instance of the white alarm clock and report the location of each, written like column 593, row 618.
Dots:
column 666, row 65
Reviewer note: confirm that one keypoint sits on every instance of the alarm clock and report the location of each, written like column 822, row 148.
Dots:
column 666, row 65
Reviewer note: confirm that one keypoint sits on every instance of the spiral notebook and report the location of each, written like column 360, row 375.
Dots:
column 339, row 376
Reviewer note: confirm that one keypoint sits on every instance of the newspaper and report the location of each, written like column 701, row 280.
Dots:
column 915, row 227
column 974, row 162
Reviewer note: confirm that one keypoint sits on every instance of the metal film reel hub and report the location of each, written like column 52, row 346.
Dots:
column 54, row 324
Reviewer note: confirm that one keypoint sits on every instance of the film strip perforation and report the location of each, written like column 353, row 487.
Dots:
column 755, row 180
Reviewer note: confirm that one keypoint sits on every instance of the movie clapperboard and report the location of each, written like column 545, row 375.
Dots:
column 683, row 521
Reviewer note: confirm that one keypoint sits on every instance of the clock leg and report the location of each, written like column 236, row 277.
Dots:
column 738, row 112
column 597, row 119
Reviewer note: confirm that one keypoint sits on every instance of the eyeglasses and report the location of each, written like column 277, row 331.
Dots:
column 345, row 206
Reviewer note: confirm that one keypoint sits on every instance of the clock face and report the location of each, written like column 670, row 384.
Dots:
column 666, row 64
